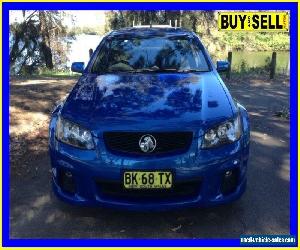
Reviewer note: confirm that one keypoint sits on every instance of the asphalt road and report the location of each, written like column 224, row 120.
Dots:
column 264, row 209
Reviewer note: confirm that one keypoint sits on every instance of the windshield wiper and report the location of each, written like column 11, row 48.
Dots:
column 152, row 69
column 191, row 70
column 120, row 71
column 182, row 70
column 146, row 70
column 158, row 70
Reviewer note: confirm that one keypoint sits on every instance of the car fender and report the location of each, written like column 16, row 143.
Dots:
column 246, row 123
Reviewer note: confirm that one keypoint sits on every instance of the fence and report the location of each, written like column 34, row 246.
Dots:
column 272, row 65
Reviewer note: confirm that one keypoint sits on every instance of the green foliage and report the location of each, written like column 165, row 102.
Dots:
column 188, row 19
column 37, row 42
column 267, row 63
column 23, row 46
column 87, row 30
column 244, row 66
column 255, row 41
column 284, row 113
column 204, row 23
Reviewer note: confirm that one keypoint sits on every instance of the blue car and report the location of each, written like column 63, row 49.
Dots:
column 150, row 125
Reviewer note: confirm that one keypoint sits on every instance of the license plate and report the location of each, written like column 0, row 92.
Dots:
column 147, row 179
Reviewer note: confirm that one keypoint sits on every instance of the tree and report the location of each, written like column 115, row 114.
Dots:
column 187, row 19
column 36, row 41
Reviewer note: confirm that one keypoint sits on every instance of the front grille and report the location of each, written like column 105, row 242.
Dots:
column 181, row 190
column 166, row 142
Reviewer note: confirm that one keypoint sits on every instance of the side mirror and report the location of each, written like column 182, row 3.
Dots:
column 222, row 66
column 77, row 67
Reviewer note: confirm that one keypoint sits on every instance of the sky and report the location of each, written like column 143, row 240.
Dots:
column 86, row 17
column 82, row 18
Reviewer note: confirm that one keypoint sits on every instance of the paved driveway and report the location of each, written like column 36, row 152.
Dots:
column 36, row 213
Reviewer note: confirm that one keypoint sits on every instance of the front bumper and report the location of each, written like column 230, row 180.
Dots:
column 205, row 167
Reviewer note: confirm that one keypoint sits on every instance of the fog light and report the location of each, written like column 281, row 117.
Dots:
column 228, row 173
column 229, row 181
column 68, row 174
column 67, row 181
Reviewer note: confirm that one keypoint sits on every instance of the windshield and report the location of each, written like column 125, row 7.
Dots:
column 178, row 54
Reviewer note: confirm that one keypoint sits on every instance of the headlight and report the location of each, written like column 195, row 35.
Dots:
column 72, row 134
column 227, row 132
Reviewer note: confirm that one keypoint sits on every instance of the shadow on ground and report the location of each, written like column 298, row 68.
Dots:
column 36, row 213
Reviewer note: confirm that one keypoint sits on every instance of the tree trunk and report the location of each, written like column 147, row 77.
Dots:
column 45, row 44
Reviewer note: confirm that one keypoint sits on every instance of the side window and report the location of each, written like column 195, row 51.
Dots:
column 101, row 61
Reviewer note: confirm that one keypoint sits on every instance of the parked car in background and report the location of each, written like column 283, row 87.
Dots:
column 150, row 125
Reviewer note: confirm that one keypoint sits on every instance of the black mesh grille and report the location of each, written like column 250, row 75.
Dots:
column 182, row 190
column 166, row 142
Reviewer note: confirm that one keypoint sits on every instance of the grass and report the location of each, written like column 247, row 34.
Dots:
column 56, row 73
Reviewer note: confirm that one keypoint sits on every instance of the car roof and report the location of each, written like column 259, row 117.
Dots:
column 150, row 32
